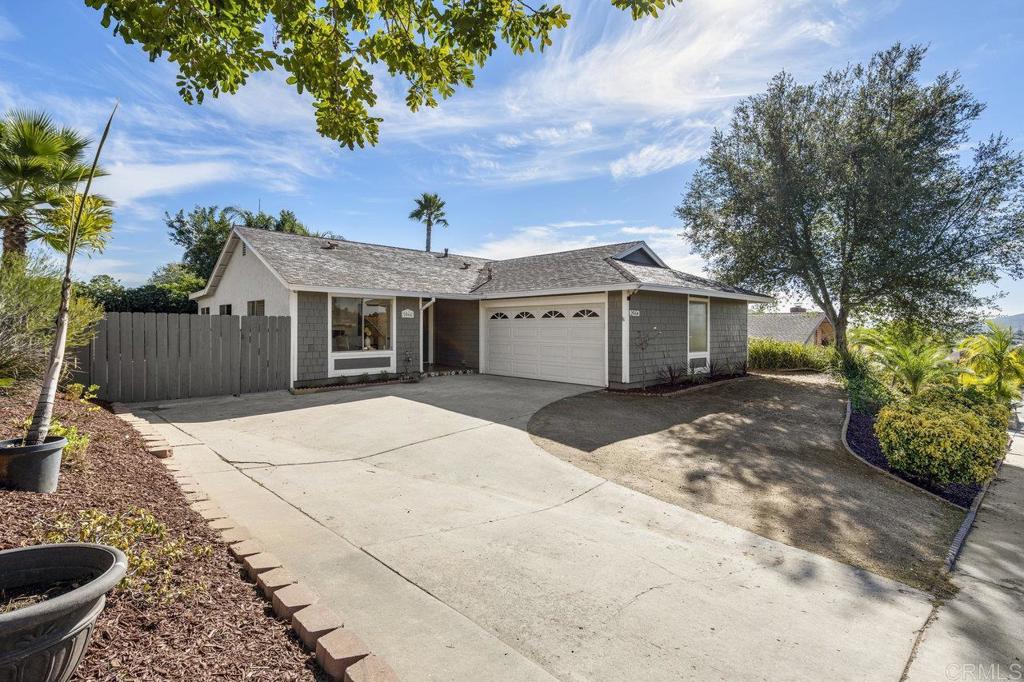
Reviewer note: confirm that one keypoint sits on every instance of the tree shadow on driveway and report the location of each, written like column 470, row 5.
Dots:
column 765, row 455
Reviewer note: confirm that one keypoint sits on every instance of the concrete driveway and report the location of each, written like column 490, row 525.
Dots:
column 459, row 550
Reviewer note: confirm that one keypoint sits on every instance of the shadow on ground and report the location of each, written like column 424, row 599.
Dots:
column 765, row 455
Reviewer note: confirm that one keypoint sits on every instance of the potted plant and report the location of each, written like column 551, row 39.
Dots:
column 78, row 220
column 50, row 597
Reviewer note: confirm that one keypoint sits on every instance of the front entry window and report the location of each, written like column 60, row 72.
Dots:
column 360, row 324
column 698, row 327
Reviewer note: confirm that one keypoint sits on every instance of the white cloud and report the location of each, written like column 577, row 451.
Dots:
column 118, row 268
column 531, row 241
column 651, row 230
column 550, row 136
column 8, row 31
column 128, row 182
column 653, row 158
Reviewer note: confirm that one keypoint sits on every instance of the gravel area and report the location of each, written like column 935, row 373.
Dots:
column 862, row 439
column 217, row 627
column 766, row 455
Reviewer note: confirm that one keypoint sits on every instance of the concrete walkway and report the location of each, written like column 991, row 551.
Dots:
column 979, row 634
column 459, row 550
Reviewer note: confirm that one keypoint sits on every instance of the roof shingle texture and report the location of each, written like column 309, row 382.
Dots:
column 303, row 261
column 795, row 327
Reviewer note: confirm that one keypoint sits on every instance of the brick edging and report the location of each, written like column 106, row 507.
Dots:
column 339, row 651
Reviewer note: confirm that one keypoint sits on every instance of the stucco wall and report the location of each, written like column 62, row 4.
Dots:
column 407, row 335
column 457, row 333
column 728, row 343
column 614, row 314
column 312, row 336
column 247, row 279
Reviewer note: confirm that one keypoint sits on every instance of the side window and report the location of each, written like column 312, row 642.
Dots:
column 255, row 307
column 225, row 309
column 204, row 311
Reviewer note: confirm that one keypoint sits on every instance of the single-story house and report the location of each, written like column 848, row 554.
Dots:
column 608, row 315
column 799, row 325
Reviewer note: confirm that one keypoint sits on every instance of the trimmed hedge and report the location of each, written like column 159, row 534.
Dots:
column 944, row 436
column 771, row 354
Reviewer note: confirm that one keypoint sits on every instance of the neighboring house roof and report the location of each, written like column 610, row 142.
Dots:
column 796, row 327
column 314, row 262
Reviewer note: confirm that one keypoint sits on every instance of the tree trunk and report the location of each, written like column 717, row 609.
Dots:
column 40, row 426
column 429, row 226
column 15, row 236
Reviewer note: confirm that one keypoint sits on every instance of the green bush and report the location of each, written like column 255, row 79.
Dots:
column 29, row 298
column 868, row 393
column 771, row 354
column 941, row 442
column 994, row 412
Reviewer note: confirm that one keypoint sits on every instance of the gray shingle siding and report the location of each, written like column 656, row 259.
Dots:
column 312, row 335
column 407, row 336
column 728, row 333
column 614, row 314
column 662, row 321
column 457, row 333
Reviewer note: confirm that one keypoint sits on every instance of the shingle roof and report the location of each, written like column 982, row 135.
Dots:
column 796, row 327
column 649, row 274
column 561, row 270
column 305, row 262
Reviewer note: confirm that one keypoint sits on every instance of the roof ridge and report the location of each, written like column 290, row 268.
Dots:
column 359, row 243
column 556, row 253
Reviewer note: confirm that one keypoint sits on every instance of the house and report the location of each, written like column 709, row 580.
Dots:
column 798, row 325
column 611, row 315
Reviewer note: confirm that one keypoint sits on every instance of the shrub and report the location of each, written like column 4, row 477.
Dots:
column 29, row 299
column 74, row 452
column 941, row 444
column 985, row 405
column 868, row 393
column 671, row 374
column 152, row 555
column 771, row 354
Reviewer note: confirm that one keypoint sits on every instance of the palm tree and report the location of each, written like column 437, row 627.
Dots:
column 39, row 163
column 429, row 211
column 994, row 362
column 909, row 360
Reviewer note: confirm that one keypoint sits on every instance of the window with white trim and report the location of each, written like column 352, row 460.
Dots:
column 256, row 307
column 524, row 315
column 586, row 312
column 225, row 309
column 551, row 314
column 499, row 316
column 359, row 324
column 204, row 311
column 698, row 327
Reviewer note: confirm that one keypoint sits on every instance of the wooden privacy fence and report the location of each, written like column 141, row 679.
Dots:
column 159, row 356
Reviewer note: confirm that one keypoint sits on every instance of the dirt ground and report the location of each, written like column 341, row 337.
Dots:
column 763, row 454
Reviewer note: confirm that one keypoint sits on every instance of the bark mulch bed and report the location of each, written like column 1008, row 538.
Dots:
column 862, row 439
column 215, row 627
column 685, row 384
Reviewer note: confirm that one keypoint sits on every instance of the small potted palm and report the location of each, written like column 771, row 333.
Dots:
column 74, row 222
column 51, row 595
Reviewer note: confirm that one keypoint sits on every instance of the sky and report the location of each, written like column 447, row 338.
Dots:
column 591, row 142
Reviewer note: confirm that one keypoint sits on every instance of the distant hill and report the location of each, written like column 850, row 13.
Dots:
column 1015, row 322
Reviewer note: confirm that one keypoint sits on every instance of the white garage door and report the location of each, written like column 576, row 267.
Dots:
column 552, row 342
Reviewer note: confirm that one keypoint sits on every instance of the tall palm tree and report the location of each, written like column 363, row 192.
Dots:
column 429, row 211
column 39, row 163
column 994, row 363
column 909, row 360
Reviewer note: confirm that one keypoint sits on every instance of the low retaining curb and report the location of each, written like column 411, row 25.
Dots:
column 339, row 651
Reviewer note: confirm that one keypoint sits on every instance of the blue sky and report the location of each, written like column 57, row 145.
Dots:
column 593, row 141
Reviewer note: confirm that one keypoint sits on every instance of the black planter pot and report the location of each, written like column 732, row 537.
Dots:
column 45, row 642
column 31, row 467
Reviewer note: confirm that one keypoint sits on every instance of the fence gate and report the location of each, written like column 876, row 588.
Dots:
column 139, row 357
